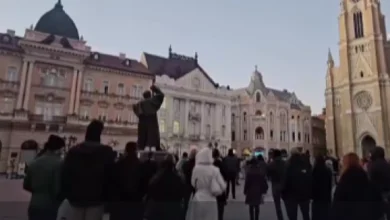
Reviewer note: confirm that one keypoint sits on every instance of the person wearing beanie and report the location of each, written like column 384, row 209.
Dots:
column 87, row 174
column 42, row 180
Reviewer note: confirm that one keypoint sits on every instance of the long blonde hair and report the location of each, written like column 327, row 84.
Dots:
column 350, row 160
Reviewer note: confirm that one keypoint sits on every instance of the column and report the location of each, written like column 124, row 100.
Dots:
column 186, row 112
column 28, row 86
column 22, row 85
column 78, row 92
column 202, row 120
column 72, row 92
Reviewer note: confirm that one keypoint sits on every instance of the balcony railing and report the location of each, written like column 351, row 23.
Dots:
column 47, row 119
column 102, row 96
column 9, row 85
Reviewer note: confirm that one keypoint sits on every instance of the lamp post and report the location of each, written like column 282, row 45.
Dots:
column 69, row 142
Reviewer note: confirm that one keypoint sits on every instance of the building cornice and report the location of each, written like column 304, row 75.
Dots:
column 125, row 73
column 48, row 48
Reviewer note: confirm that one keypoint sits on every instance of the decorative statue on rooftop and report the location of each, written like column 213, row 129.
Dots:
column 146, row 111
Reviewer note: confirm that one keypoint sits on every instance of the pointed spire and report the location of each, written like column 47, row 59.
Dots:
column 330, row 57
column 170, row 51
column 256, row 68
column 196, row 56
column 59, row 4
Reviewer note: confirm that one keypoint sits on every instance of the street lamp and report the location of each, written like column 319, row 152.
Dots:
column 69, row 142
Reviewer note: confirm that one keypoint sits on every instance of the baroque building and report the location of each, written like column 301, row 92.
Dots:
column 196, row 110
column 52, row 82
column 265, row 118
column 358, row 90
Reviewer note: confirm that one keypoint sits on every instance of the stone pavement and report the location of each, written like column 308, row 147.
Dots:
column 14, row 203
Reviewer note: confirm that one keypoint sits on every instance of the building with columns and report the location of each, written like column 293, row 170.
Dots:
column 196, row 110
column 358, row 89
column 52, row 82
column 319, row 133
column 264, row 118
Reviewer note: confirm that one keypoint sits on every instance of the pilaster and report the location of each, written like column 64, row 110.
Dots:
column 186, row 113
column 22, row 85
column 78, row 92
column 28, row 85
column 73, row 92
column 202, row 120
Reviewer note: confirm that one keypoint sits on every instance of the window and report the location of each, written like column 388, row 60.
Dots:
column 84, row 112
column 244, row 117
column 258, row 113
column 136, row 91
column 293, row 136
column 358, row 24
column 50, row 79
column 118, row 117
column 105, row 87
column 223, row 130
column 245, row 135
column 102, row 115
column 162, row 126
column 208, row 106
column 88, row 85
column 258, row 97
column 233, row 136
column 283, row 118
column 259, row 133
column 121, row 89
column 233, row 118
column 176, row 127
column 299, row 136
column 208, row 130
column 223, row 111
column 12, row 74
column 361, row 74
column 271, row 118
column 8, row 105
column 271, row 134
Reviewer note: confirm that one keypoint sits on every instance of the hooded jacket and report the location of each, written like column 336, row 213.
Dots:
column 87, row 170
column 379, row 170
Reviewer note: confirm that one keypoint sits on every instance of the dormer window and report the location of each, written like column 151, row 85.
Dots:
column 6, row 39
column 96, row 56
column 127, row 62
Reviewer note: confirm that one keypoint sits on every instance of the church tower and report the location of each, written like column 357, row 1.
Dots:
column 358, row 90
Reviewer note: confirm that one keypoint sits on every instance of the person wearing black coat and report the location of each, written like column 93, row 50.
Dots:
column 221, row 200
column 322, row 190
column 165, row 193
column 356, row 198
column 275, row 172
column 187, row 169
column 297, row 186
column 379, row 173
column 127, row 186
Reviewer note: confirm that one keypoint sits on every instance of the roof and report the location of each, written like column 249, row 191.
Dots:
column 175, row 66
column 117, row 63
column 58, row 22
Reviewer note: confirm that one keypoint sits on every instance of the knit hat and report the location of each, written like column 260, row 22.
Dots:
column 54, row 143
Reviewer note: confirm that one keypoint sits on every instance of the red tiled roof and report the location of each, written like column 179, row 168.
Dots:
column 175, row 66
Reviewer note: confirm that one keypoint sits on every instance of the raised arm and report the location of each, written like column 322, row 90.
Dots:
column 157, row 98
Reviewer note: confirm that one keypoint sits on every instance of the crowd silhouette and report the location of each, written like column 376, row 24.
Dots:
column 91, row 181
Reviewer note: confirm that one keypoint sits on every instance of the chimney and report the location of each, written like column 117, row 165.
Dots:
column 11, row 32
column 122, row 55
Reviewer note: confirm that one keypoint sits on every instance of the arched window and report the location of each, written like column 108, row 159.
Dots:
column 258, row 97
column 244, row 117
column 259, row 133
column 258, row 113
column 358, row 24
column 271, row 118
column 233, row 118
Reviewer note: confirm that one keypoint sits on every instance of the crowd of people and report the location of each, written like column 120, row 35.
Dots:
column 91, row 181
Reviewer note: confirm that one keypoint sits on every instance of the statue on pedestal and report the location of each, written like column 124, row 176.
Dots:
column 146, row 111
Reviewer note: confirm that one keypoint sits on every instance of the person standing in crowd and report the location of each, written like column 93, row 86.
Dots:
column 322, row 189
column 335, row 164
column 284, row 154
column 180, row 163
column 150, row 167
column 188, row 167
column 42, row 180
column 255, row 186
column 86, row 176
column 221, row 200
column 275, row 172
column 165, row 193
column 232, row 164
column 379, row 173
column 355, row 196
column 127, row 186
column 297, row 186
column 208, row 183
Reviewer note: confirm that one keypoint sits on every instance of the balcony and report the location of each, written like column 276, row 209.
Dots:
column 97, row 95
column 47, row 119
column 9, row 85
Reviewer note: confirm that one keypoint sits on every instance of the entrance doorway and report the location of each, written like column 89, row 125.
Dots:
column 368, row 143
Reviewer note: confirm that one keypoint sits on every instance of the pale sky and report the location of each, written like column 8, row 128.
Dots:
column 288, row 40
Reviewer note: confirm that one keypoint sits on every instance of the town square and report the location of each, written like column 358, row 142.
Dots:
column 194, row 110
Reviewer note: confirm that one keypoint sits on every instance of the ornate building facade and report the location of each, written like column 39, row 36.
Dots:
column 319, row 133
column 51, row 82
column 265, row 118
column 196, row 110
column 358, row 90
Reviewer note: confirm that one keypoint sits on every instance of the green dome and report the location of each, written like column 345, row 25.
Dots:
column 58, row 22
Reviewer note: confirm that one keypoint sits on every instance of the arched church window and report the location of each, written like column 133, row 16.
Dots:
column 358, row 24
column 258, row 97
column 259, row 133
column 244, row 116
column 258, row 113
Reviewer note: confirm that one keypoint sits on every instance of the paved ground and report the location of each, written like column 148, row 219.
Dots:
column 14, row 203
